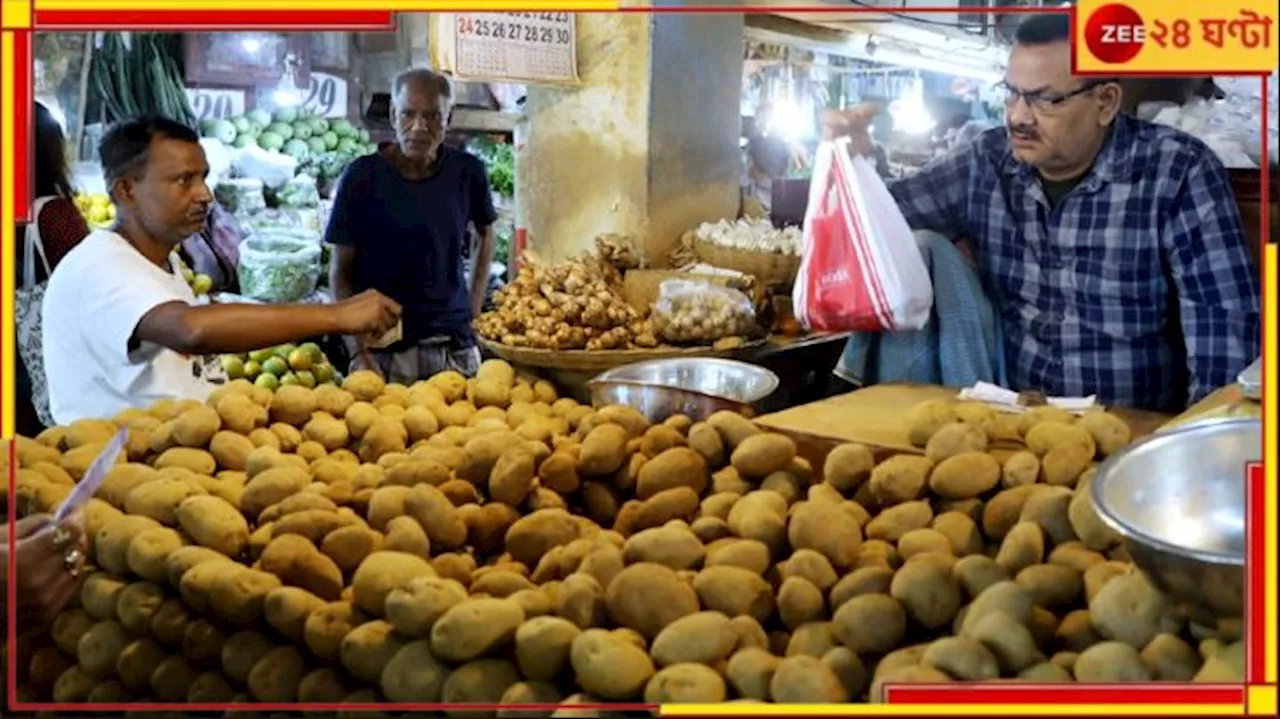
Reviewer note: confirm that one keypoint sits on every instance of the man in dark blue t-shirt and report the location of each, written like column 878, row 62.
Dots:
column 399, row 225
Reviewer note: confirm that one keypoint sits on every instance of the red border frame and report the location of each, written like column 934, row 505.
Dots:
column 376, row 20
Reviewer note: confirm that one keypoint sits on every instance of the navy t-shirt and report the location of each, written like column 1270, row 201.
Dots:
column 409, row 236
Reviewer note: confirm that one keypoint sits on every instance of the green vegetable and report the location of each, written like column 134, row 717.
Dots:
column 346, row 144
column 302, row 130
column 283, row 130
column 343, row 128
column 316, row 145
column 285, row 115
column 330, row 140
column 224, row 131
column 244, row 140
column 297, row 149
column 270, row 141
column 276, row 267
column 241, row 123
column 258, row 117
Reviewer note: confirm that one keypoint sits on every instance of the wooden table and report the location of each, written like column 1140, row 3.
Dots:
column 876, row 417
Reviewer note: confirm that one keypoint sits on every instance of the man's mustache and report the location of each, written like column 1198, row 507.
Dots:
column 1027, row 133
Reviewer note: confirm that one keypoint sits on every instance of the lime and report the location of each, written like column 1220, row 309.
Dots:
column 252, row 369
column 188, row 275
column 283, row 351
column 313, row 349
column 261, row 356
column 275, row 366
column 233, row 366
column 300, row 360
column 267, row 381
column 306, row 379
column 202, row 284
column 323, row 372
column 289, row 378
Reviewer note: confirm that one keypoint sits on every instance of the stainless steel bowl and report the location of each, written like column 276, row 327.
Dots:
column 1178, row 499
column 694, row 387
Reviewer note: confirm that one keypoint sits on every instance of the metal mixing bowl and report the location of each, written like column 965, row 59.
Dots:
column 694, row 387
column 1178, row 499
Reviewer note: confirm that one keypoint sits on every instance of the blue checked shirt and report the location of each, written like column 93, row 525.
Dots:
column 1137, row 287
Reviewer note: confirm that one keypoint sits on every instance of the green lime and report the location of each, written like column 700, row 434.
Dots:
column 323, row 372
column 275, row 366
column 313, row 349
column 252, row 369
column 300, row 360
column 306, row 379
column 233, row 366
column 283, row 351
column 188, row 275
column 201, row 285
column 261, row 356
column 289, row 378
column 267, row 381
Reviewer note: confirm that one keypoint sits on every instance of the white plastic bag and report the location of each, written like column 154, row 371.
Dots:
column 861, row 269
column 273, row 168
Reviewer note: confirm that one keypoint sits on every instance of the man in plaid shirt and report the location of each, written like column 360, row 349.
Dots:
column 1113, row 248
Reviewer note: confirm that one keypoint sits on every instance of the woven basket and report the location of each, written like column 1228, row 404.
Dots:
column 769, row 268
column 600, row 360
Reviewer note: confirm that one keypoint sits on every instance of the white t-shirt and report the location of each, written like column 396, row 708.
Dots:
column 96, row 297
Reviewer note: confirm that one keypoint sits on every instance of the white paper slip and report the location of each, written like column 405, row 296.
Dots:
column 392, row 336
column 93, row 478
column 1007, row 400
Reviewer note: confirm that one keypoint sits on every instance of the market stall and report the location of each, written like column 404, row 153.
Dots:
column 486, row 541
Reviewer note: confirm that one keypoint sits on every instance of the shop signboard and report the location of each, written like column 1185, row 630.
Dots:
column 216, row 104
column 326, row 95
column 513, row 47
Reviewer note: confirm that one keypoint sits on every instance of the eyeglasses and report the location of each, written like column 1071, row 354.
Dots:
column 1044, row 101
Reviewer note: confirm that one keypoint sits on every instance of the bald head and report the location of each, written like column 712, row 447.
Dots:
column 421, row 102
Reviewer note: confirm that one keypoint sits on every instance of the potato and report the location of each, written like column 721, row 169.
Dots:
column 159, row 499
column 384, row 436
column 1109, row 432
column 437, row 515
column 326, row 430
column 172, row 679
column 899, row 479
column 963, row 658
column 1022, row 547
column 800, row 603
column 1003, row 510
column 183, row 558
column 927, row 592
column 760, row 455
column 542, row 646
column 535, row 534
column 196, row 460
column 960, row 532
column 925, row 419
column 314, row 524
column 1128, row 609
column 242, row 652
column 1007, row 638
column 414, row 674
column 1020, row 469
column 609, row 668
column 1006, row 597
column 750, row 670
column 896, row 521
column 416, row 471
column 404, row 534
column 148, row 551
column 706, row 441
column 1044, row 436
column 847, row 467
column 111, row 545
column 512, row 477
column 297, row 562
column 383, row 572
column 604, row 450
column 287, row 609
column 136, row 604
column 1169, row 658
column 870, row 623
column 416, row 607
column 647, row 597
column 1088, row 526
column 169, row 623
column 211, row 688
column 827, row 529
column 196, row 426
column 1051, row 585
column 804, row 563
column 673, row 547
column 367, row 649
column 214, row 523
column 965, row 475
column 238, row 598
column 803, row 679
column 98, row 648
column 276, row 677
column 1111, row 662
column 202, row 643
column 676, row 467
column 271, row 486
column 690, row 683
column 240, row 414
column 73, row 685
column 869, row 580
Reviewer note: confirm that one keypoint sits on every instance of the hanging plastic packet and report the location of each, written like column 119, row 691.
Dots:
column 92, row 480
column 392, row 336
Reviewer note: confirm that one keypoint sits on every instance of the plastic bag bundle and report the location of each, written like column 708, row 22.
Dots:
column 279, row 266
column 242, row 196
column 693, row 311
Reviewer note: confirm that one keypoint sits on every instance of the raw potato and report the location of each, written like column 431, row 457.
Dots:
column 1109, row 431
column 925, row 419
column 900, row 478
column 965, row 475
column 847, row 467
column 759, row 456
column 214, row 523
column 383, row 572
column 1111, row 662
column 277, row 676
column 953, row 439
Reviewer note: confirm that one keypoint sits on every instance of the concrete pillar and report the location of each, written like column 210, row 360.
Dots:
column 646, row 146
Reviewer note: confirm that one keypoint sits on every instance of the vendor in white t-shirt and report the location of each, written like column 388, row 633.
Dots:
column 121, row 327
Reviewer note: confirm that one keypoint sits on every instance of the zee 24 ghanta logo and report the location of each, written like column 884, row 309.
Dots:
column 1117, row 33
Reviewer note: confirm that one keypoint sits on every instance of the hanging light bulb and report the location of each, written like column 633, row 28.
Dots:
column 909, row 113
column 287, row 93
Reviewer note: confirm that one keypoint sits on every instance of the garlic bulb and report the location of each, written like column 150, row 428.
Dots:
column 752, row 236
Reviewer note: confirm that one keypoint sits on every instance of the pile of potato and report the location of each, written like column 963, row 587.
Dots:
column 485, row 541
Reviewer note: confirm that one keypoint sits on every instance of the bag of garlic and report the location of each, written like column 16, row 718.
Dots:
column 690, row 311
column 861, row 270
